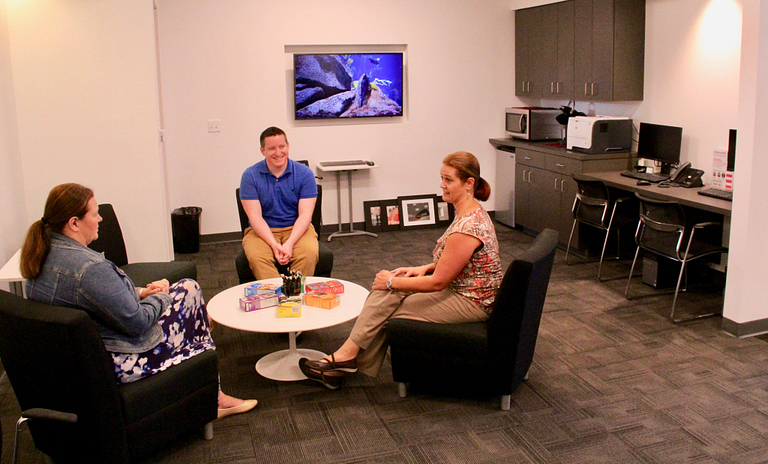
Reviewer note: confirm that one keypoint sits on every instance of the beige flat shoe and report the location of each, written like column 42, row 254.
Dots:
column 245, row 407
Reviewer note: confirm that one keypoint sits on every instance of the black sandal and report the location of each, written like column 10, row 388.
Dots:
column 324, row 365
column 331, row 382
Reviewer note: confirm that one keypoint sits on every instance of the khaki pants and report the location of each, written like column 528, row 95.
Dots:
column 445, row 307
column 262, row 260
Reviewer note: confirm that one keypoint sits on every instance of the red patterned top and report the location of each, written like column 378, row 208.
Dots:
column 480, row 279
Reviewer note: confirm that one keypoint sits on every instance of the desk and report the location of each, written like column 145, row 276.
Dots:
column 224, row 308
column 338, row 170
column 11, row 273
column 685, row 196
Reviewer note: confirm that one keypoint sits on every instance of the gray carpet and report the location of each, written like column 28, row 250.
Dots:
column 612, row 381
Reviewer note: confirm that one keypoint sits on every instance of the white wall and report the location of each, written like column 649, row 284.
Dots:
column 86, row 101
column 228, row 61
column 11, row 187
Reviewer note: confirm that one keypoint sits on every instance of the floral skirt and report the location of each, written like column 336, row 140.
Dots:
column 186, row 330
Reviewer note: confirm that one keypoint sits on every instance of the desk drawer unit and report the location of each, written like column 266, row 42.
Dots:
column 531, row 158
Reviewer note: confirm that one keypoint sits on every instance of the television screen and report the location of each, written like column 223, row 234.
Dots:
column 348, row 86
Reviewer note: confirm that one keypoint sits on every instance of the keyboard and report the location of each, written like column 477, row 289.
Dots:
column 653, row 178
column 342, row 163
column 717, row 193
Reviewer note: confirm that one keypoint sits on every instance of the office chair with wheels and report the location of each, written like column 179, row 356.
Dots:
column 55, row 359
column 112, row 244
column 325, row 258
column 663, row 231
column 494, row 355
column 597, row 206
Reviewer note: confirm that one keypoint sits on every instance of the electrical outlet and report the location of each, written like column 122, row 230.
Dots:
column 214, row 125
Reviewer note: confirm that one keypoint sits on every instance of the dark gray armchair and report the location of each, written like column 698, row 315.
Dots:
column 112, row 244
column 494, row 355
column 56, row 360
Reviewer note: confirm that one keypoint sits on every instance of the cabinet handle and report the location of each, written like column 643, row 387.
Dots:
column 551, row 87
column 560, row 165
column 592, row 92
column 529, row 176
column 586, row 88
column 558, row 88
column 555, row 185
column 562, row 186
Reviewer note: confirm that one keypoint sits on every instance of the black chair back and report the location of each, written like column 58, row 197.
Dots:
column 592, row 202
column 110, row 241
column 514, row 323
column 662, row 227
column 47, row 352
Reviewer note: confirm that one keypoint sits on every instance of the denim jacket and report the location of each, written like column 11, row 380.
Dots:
column 78, row 277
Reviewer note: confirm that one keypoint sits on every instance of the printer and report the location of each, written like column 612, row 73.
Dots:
column 599, row 134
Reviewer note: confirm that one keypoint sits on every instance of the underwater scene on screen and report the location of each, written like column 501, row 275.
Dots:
column 348, row 85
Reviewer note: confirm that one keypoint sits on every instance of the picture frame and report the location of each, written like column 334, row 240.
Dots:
column 390, row 210
column 444, row 210
column 417, row 211
column 373, row 216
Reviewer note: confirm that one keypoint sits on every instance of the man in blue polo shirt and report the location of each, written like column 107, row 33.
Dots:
column 279, row 195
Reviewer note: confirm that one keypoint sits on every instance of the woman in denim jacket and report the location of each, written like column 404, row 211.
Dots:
column 146, row 330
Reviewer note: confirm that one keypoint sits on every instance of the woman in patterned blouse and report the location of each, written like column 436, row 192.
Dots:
column 459, row 285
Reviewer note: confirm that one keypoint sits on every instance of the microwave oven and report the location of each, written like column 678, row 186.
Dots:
column 533, row 123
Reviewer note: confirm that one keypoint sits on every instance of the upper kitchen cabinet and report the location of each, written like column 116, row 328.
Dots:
column 558, row 51
column 581, row 49
column 610, row 50
column 529, row 36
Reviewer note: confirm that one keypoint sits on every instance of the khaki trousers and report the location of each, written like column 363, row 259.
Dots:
column 262, row 260
column 445, row 307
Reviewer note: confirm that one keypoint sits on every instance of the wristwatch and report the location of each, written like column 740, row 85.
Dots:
column 389, row 282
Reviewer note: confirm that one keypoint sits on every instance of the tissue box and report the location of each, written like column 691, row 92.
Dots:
column 254, row 302
column 289, row 309
column 258, row 289
column 322, row 300
column 329, row 286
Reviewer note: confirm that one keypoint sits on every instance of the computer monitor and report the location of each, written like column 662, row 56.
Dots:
column 661, row 144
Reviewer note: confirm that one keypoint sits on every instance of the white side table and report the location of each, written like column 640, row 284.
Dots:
column 11, row 273
column 338, row 170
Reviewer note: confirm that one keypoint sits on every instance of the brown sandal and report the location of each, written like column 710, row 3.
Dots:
column 324, row 365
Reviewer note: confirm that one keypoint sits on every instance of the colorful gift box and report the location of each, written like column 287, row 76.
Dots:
column 258, row 289
column 329, row 286
column 322, row 300
column 289, row 309
column 255, row 302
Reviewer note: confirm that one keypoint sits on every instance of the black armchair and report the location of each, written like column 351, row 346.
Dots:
column 112, row 244
column 494, row 355
column 325, row 259
column 56, row 360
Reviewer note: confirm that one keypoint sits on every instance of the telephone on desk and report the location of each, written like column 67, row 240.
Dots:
column 685, row 176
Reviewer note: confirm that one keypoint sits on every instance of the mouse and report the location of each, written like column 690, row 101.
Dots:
column 643, row 182
column 369, row 163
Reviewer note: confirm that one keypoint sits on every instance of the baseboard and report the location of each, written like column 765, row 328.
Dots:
column 221, row 238
column 746, row 329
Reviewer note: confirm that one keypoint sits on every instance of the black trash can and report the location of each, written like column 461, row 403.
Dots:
column 185, row 223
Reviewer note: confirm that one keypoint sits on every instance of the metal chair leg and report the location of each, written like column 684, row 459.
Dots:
column 631, row 273
column 568, row 247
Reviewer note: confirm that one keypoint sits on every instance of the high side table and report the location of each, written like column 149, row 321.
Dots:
column 338, row 168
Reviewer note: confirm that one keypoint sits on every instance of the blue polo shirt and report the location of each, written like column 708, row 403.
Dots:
column 279, row 197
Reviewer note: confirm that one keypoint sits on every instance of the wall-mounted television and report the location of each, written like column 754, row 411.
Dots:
column 348, row 85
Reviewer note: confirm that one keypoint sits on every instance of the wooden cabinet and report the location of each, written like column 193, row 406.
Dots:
column 557, row 53
column 528, row 43
column 544, row 185
column 583, row 49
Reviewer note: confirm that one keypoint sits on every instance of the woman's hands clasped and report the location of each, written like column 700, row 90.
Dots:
column 380, row 282
column 155, row 287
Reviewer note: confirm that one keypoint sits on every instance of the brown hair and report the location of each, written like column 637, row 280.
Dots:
column 65, row 201
column 271, row 132
column 467, row 165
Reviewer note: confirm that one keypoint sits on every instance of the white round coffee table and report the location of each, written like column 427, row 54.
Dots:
column 224, row 308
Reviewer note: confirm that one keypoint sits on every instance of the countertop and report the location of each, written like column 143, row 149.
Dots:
column 553, row 147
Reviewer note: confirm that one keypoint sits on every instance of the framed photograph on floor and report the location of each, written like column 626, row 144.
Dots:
column 390, row 211
column 445, row 211
column 373, row 216
column 417, row 211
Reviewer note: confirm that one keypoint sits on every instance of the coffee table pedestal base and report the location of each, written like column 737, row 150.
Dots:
column 284, row 364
